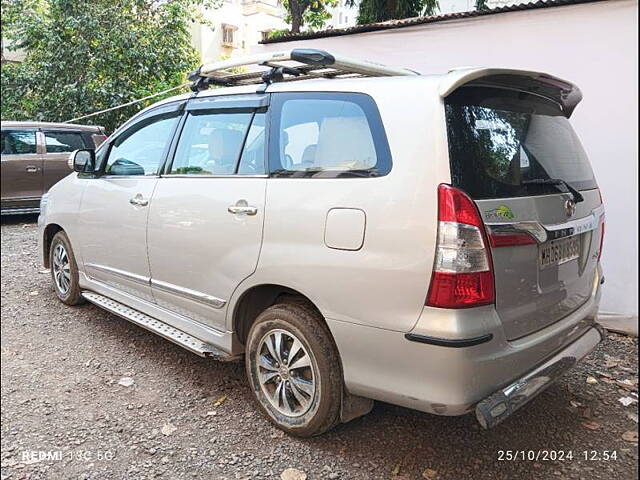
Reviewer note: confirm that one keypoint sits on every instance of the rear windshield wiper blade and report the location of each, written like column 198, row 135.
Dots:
column 577, row 196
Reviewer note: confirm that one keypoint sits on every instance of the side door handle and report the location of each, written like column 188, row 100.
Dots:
column 242, row 208
column 31, row 169
column 139, row 200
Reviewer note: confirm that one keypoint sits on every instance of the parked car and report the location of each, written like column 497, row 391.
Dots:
column 428, row 241
column 35, row 156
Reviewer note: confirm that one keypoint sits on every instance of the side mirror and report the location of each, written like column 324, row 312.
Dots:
column 82, row 160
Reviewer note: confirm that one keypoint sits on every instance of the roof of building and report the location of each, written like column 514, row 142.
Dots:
column 410, row 22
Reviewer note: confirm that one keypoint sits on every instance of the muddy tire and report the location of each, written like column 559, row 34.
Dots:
column 64, row 270
column 294, row 369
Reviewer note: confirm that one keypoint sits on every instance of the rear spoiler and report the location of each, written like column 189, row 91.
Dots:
column 562, row 92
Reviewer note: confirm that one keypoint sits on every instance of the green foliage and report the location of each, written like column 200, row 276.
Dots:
column 83, row 56
column 279, row 33
column 481, row 5
column 312, row 13
column 372, row 11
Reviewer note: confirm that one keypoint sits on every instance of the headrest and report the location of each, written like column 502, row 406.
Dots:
column 224, row 143
column 345, row 143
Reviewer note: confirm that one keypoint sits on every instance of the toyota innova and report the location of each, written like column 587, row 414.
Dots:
column 34, row 156
column 355, row 232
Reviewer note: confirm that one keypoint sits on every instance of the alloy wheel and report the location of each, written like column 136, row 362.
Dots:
column 286, row 372
column 61, row 269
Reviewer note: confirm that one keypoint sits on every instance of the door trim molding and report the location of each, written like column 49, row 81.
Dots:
column 120, row 273
column 194, row 295
column 200, row 297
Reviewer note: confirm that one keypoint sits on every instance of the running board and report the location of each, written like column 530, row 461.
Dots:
column 165, row 330
column 20, row 211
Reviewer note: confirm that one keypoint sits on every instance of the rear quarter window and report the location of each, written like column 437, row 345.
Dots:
column 327, row 135
column 500, row 139
column 61, row 142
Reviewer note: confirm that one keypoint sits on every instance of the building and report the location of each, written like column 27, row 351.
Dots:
column 593, row 43
column 10, row 55
column 235, row 27
column 238, row 25
column 343, row 16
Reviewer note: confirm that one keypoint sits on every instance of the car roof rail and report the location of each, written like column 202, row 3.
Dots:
column 284, row 66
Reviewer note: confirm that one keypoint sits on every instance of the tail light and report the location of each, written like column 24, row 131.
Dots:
column 511, row 240
column 601, row 227
column 463, row 272
column 601, row 237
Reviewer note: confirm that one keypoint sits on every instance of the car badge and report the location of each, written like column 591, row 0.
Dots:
column 570, row 207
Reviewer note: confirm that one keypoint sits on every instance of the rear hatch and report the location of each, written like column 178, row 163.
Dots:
column 508, row 151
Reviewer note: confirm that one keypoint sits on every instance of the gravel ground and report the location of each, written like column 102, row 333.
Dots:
column 187, row 417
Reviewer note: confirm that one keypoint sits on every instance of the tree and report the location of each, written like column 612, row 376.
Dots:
column 83, row 56
column 482, row 5
column 372, row 11
column 312, row 13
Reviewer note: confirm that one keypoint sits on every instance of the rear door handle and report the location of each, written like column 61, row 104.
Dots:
column 242, row 208
column 31, row 169
column 139, row 200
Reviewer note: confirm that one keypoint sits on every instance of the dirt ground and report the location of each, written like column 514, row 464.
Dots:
column 87, row 395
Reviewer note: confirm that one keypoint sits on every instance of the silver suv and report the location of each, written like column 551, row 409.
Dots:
column 367, row 234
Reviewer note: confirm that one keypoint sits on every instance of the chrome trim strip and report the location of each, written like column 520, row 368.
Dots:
column 114, row 177
column 120, row 273
column 542, row 232
column 210, row 300
column 231, row 175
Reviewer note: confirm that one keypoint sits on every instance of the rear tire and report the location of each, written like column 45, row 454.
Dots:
column 294, row 369
column 64, row 270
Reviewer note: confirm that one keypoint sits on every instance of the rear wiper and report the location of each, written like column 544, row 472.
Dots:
column 577, row 196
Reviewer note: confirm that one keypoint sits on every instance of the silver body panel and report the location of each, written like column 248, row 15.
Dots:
column 200, row 250
column 187, row 260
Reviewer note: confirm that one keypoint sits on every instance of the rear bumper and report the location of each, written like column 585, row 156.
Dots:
column 504, row 402
column 470, row 359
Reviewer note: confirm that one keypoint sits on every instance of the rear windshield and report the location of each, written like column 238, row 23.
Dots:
column 499, row 139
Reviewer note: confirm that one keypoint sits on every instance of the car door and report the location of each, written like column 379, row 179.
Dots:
column 58, row 144
column 207, row 211
column 21, row 168
column 115, row 204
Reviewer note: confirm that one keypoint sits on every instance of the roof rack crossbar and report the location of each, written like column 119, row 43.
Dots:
column 289, row 65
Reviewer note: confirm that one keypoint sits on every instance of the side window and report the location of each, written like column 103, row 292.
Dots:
column 252, row 159
column 141, row 149
column 60, row 142
column 18, row 142
column 328, row 135
column 210, row 143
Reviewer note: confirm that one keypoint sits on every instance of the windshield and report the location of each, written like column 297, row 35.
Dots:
column 501, row 139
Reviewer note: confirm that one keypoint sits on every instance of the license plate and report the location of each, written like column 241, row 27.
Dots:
column 557, row 252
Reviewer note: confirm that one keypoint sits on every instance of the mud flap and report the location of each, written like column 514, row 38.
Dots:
column 354, row 407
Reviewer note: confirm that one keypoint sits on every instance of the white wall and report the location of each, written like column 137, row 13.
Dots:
column 594, row 45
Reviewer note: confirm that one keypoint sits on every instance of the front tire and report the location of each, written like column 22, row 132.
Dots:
column 64, row 270
column 294, row 369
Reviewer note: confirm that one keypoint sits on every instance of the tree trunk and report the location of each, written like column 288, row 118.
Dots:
column 391, row 12
column 296, row 16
